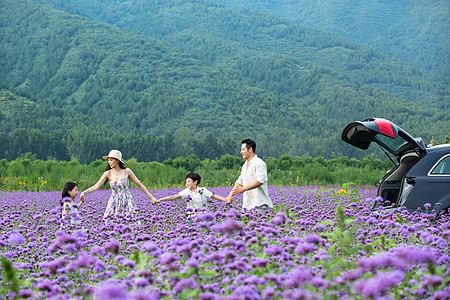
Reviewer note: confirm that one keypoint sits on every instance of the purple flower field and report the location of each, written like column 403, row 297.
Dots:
column 317, row 243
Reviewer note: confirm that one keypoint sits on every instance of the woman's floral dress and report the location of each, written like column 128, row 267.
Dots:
column 121, row 200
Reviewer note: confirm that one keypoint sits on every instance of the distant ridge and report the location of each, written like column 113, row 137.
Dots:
column 102, row 83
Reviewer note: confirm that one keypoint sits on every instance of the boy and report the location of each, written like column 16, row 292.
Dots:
column 196, row 197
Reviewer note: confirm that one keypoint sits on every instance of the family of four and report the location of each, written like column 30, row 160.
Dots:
column 252, row 183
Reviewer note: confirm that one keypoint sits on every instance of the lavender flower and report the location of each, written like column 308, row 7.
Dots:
column 16, row 239
column 229, row 226
column 112, row 246
column 380, row 284
column 110, row 291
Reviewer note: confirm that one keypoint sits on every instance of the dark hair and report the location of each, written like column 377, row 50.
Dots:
column 194, row 177
column 65, row 192
column 108, row 167
column 250, row 144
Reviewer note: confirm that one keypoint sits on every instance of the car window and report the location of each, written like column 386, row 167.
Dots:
column 443, row 167
column 393, row 145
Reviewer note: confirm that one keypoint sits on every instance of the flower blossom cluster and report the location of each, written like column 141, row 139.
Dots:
column 316, row 243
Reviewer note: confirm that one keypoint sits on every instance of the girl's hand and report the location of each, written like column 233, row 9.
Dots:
column 153, row 200
column 82, row 197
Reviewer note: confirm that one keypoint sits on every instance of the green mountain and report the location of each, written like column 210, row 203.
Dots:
column 417, row 32
column 239, row 41
column 164, row 79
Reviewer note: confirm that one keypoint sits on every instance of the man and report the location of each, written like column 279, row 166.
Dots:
column 253, row 180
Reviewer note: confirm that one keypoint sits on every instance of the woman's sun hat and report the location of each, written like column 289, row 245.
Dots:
column 114, row 154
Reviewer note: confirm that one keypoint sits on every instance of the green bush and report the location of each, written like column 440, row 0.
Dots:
column 29, row 173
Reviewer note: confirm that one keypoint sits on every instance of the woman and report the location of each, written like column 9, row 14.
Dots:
column 121, row 200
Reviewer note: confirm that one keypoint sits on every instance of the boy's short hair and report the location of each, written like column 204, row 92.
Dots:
column 194, row 177
column 249, row 144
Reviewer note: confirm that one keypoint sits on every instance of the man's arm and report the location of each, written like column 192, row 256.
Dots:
column 239, row 189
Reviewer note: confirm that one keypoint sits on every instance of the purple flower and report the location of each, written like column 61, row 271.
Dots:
column 45, row 285
column 167, row 258
column 432, row 281
column 16, row 239
column 111, row 291
column 25, row 293
column 381, row 260
column 412, row 255
column 312, row 239
column 229, row 226
column 268, row 292
column 258, row 262
column 280, row 219
column 297, row 277
column 97, row 250
column 379, row 285
column 305, row 248
column 187, row 283
column 205, row 216
column 128, row 263
column 112, row 246
column 145, row 295
column 273, row 249
column 234, row 214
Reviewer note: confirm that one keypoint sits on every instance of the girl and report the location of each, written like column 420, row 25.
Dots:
column 69, row 208
column 121, row 200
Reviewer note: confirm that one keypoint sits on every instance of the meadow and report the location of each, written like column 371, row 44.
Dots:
column 319, row 242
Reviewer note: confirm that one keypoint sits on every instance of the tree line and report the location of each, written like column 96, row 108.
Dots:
column 30, row 173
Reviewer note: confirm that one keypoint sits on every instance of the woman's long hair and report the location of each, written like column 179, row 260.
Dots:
column 108, row 167
column 65, row 192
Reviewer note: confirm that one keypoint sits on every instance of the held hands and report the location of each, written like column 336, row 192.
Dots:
column 82, row 199
column 229, row 199
column 153, row 200
column 237, row 189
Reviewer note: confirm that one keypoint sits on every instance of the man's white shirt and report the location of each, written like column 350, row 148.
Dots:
column 255, row 169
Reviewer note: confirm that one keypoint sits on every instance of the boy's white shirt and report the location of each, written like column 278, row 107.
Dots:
column 199, row 197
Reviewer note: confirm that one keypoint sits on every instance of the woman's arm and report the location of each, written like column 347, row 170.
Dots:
column 95, row 186
column 169, row 198
column 141, row 186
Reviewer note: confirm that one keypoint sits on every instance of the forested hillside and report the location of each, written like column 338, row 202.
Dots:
column 261, row 47
column 414, row 31
column 164, row 79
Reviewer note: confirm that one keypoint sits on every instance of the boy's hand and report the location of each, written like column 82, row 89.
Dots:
column 229, row 199
column 153, row 200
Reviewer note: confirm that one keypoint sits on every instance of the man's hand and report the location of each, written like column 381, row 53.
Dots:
column 237, row 189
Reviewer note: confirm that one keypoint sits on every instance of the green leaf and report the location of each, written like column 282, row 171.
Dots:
column 208, row 273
